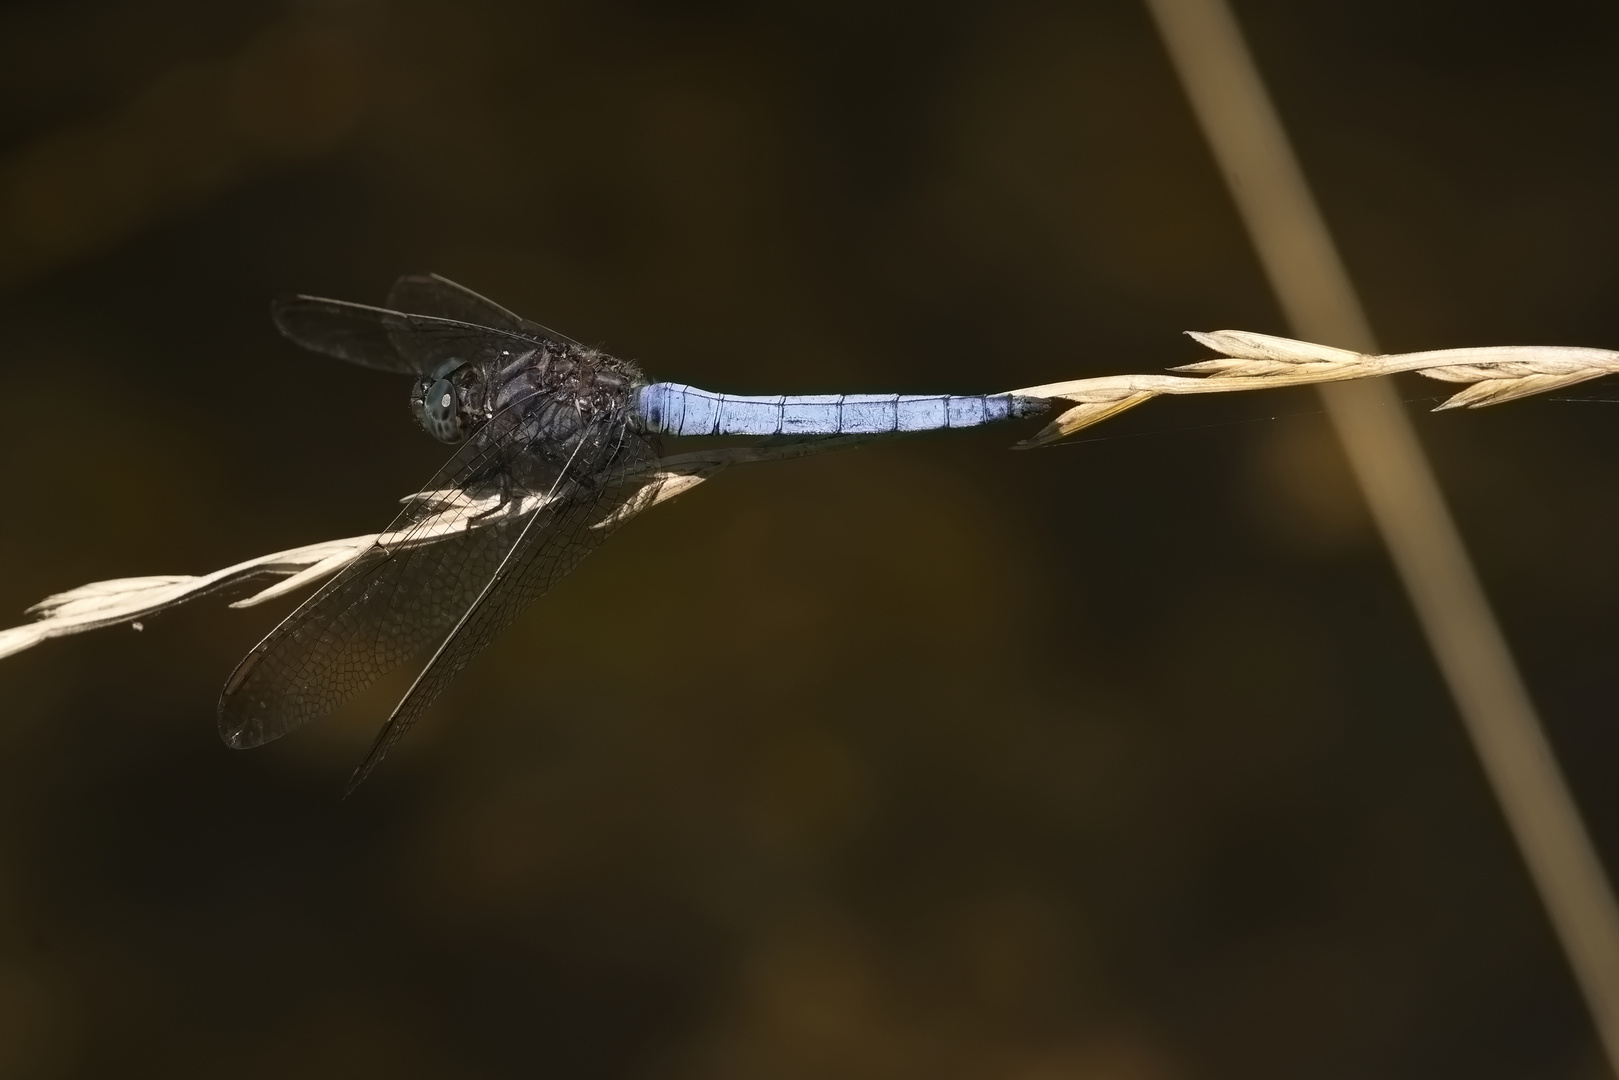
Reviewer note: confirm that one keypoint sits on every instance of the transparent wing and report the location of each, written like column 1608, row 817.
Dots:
column 423, row 574
column 430, row 294
column 393, row 340
column 391, row 603
column 546, row 549
column 438, row 576
column 352, row 332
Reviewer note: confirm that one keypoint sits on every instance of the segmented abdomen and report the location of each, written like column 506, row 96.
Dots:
column 677, row 409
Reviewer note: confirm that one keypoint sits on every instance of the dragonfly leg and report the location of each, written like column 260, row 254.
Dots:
column 505, row 484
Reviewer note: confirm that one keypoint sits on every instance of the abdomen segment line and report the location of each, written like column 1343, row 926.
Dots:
column 677, row 409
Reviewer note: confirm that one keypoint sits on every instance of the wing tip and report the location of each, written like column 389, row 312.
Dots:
column 373, row 758
column 237, row 733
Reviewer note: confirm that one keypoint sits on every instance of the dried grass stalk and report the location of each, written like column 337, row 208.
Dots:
column 1250, row 361
column 127, row 600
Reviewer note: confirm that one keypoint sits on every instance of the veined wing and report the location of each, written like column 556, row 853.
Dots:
column 428, row 319
column 430, row 294
column 549, row 545
column 437, row 575
column 391, row 603
column 391, row 340
column 599, row 489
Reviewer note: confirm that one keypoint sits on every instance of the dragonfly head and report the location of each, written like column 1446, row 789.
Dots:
column 439, row 403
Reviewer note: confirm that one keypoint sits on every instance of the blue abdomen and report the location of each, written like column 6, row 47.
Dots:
column 676, row 409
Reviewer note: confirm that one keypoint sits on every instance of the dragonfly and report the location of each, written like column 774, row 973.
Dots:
column 553, row 441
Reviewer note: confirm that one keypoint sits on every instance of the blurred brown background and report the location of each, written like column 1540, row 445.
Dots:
column 1170, row 790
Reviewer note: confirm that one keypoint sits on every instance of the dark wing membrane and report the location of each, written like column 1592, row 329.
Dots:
column 430, row 294
column 553, row 542
column 391, row 340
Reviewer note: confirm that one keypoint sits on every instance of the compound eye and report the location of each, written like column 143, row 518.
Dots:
column 441, row 412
